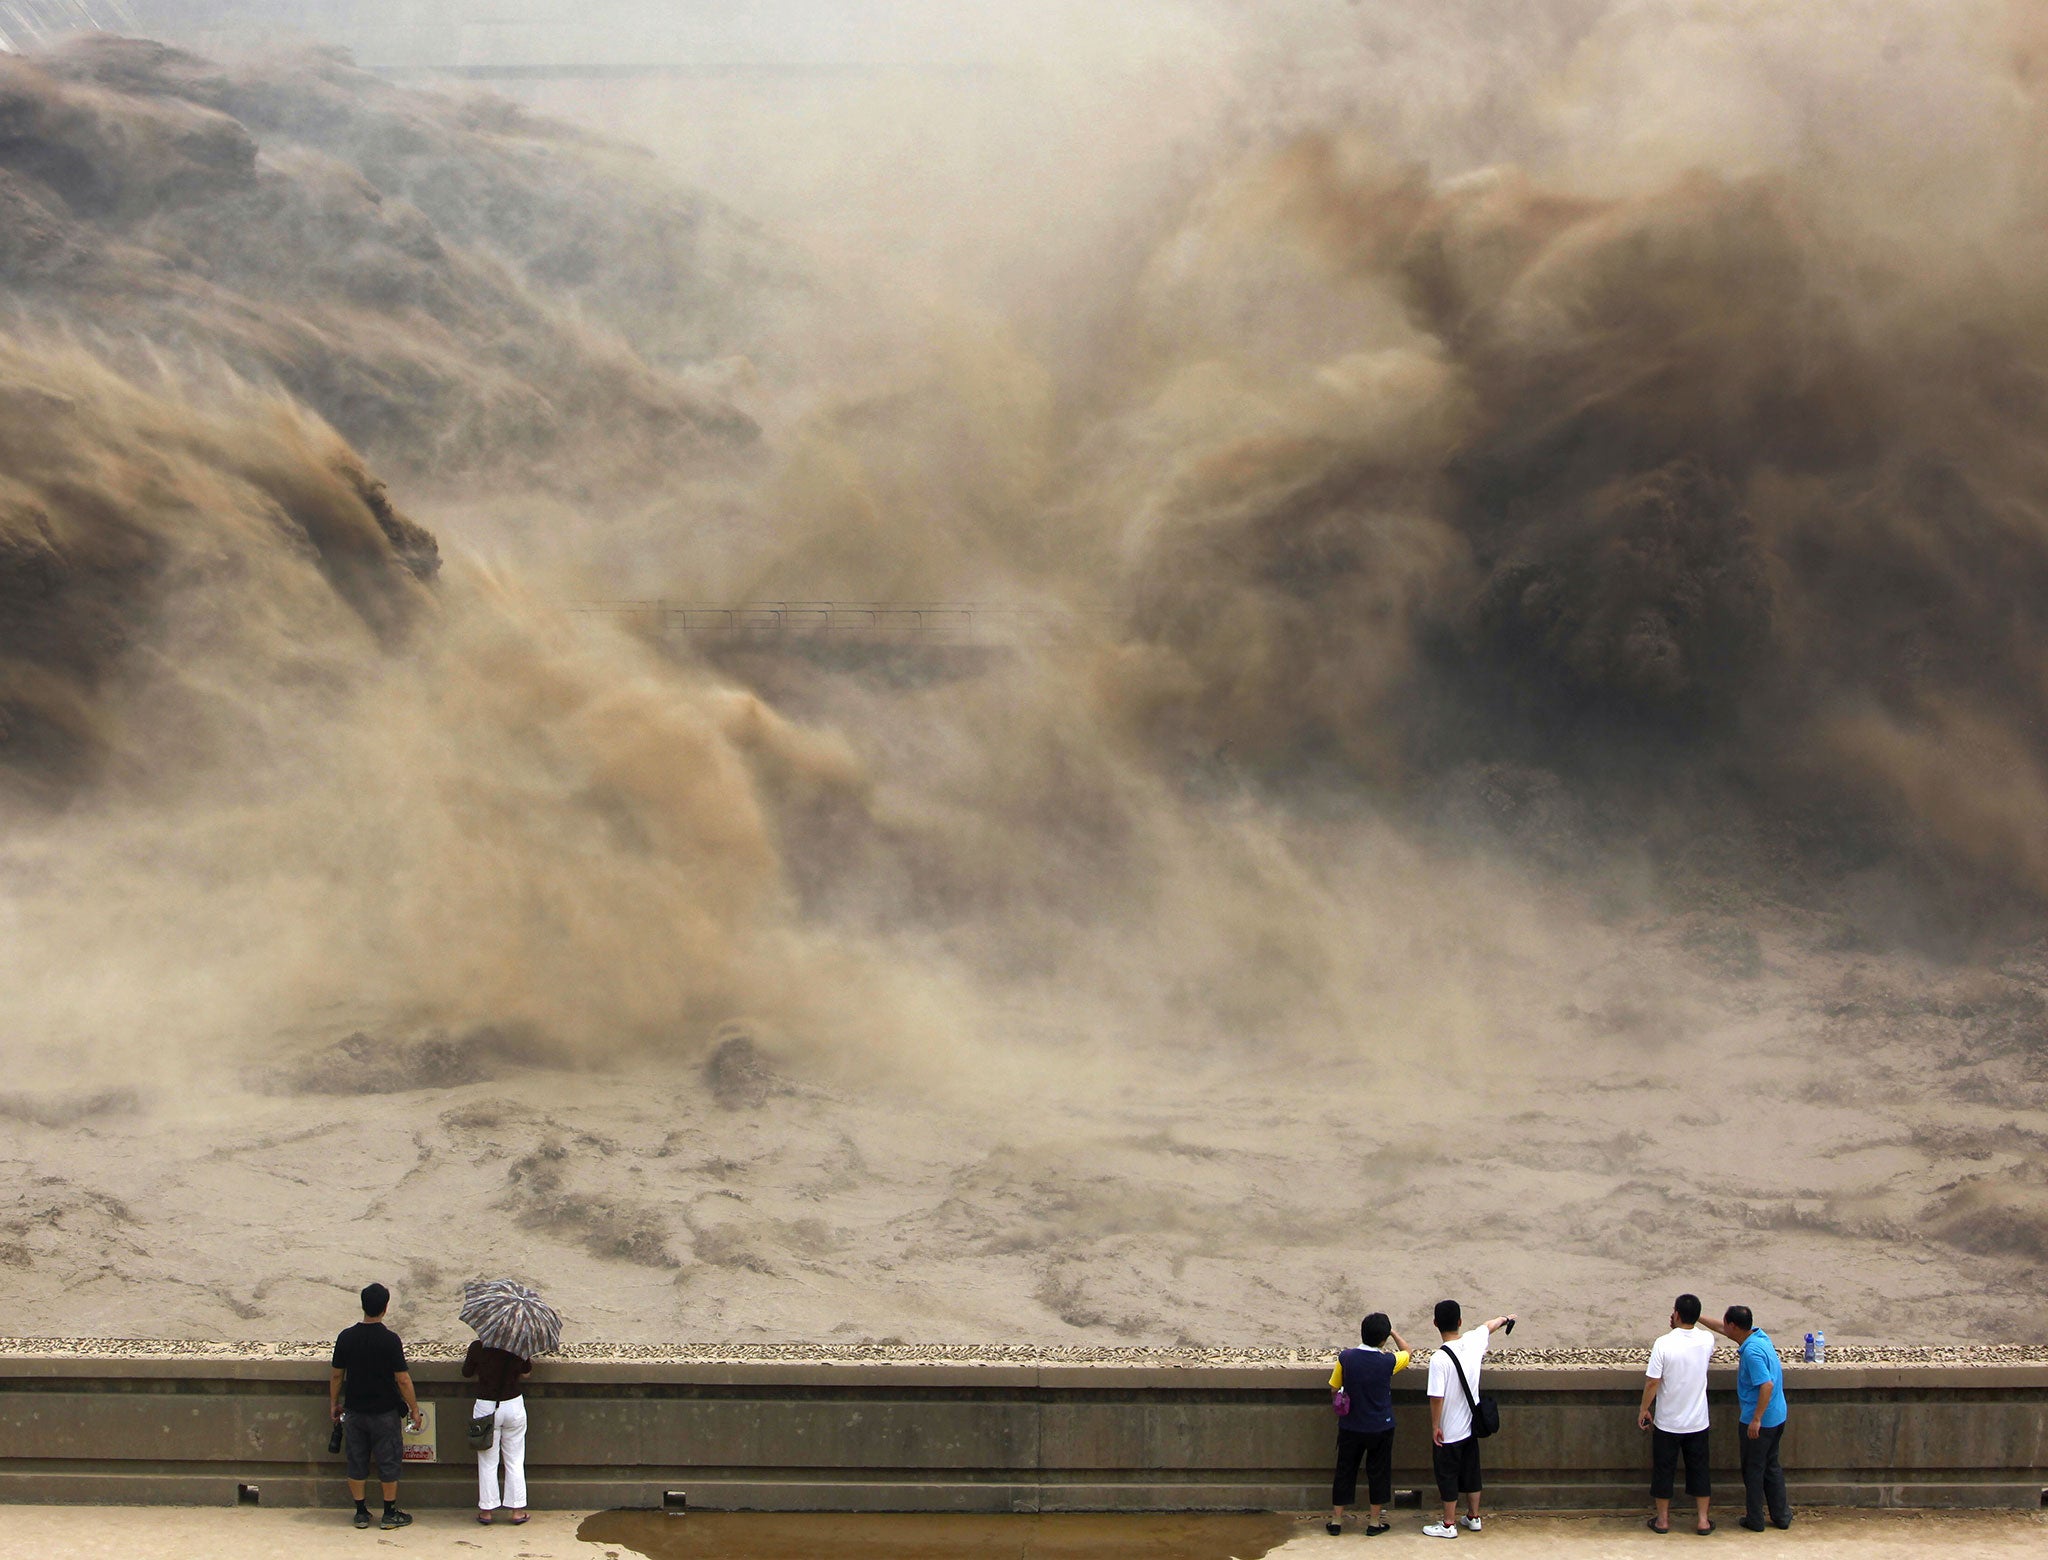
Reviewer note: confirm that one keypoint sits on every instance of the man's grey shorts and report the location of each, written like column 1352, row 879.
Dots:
column 375, row 1438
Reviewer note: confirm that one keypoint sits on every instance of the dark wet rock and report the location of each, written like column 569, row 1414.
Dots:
column 739, row 1076
column 377, row 1064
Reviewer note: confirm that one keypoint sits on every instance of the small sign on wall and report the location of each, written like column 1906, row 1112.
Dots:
column 419, row 1444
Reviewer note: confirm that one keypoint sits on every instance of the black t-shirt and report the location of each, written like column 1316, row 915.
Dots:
column 372, row 1355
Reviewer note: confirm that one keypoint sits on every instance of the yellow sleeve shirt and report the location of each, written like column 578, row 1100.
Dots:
column 1337, row 1374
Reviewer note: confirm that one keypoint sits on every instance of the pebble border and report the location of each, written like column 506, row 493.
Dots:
column 969, row 1354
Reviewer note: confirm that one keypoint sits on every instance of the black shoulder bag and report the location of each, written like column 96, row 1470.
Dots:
column 1485, row 1410
column 482, row 1429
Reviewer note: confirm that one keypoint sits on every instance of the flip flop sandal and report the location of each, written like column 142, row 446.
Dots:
column 1652, row 1526
column 1703, row 1532
column 484, row 1517
column 518, row 1517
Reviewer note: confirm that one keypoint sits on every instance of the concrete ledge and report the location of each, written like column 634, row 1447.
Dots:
column 1509, row 1370
column 1003, row 1436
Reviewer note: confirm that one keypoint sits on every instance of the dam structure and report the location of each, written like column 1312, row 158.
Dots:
column 879, row 1428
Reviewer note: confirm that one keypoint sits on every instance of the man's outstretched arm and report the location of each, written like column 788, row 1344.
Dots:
column 1499, row 1322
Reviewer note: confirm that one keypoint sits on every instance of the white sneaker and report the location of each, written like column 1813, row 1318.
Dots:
column 1439, row 1530
column 1471, row 1522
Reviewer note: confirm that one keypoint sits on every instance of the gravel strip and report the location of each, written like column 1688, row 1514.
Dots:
column 970, row 1354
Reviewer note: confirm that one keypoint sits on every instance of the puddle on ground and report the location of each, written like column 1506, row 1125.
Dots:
column 752, row 1535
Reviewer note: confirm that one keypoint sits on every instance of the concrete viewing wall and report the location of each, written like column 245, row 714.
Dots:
column 948, row 1437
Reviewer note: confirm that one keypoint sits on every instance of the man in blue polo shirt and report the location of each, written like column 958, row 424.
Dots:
column 1760, row 1393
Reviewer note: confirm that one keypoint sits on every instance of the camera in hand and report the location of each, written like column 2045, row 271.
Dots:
column 334, row 1439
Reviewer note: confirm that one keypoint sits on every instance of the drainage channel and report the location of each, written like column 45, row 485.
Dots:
column 747, row 1535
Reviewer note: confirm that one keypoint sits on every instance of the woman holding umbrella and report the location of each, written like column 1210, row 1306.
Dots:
column 513, row 1324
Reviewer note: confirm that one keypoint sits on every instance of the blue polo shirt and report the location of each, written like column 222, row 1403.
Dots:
column 1757, row 1364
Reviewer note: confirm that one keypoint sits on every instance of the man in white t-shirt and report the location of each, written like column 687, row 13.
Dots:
column 1456, row 1453
column 1674, row 1411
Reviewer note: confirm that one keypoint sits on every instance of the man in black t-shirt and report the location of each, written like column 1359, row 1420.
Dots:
column 370, row 1358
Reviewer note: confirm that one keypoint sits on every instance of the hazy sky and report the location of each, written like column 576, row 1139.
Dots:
column 827, row 34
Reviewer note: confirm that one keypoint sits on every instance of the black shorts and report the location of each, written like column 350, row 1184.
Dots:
column 375, row 1438
column 1457, row 1468
column 1665, row 1450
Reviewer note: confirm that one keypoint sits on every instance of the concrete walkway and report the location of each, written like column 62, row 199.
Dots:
column 1835, row 1535
column 142, row 1533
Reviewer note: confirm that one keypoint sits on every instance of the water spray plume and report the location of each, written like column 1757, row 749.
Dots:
column 1549, row 514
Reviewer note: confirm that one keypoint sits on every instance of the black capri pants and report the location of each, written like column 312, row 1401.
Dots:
column 1375, row 1448
column 1665, row 1450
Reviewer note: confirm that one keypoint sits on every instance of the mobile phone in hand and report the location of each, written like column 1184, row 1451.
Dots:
column 1510, row 1328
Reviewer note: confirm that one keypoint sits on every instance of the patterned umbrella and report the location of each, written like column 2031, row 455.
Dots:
column 511, row 1317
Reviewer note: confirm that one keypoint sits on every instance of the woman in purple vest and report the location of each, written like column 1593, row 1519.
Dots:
column 1362, row 1389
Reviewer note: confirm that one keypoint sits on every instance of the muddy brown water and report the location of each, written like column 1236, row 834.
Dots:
column 734, row 1535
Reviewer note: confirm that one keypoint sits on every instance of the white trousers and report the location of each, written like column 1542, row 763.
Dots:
column 507, row 1453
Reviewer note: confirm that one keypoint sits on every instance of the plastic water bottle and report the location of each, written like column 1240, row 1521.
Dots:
column 1816, row 1348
